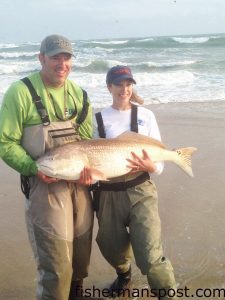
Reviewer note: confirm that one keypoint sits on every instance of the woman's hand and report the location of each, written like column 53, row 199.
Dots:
column 138, row 164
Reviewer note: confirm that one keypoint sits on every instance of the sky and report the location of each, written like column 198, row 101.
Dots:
column 32, row 20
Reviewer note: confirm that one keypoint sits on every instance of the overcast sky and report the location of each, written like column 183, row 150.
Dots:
column 31, row 20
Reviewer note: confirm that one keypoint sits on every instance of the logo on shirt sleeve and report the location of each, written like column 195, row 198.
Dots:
column 141, row 122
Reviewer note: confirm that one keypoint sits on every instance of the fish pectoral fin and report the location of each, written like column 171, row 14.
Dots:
column 97, row 175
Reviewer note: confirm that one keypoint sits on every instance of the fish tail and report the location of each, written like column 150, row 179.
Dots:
column 184, row 159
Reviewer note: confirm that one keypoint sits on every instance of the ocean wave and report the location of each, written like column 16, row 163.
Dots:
column 34, row 43
column 161, row 42
column 175, row 63
column 157, row 87
column 123, row 44
column 165, row 79
column 210, row 40
column 145, row 40
column 104, row 49
column 24, row 62
column 166, row 65
column 115, row 45
column 19, row 68
column 191, row 40
column 9, row 46
column 191, row 67
column 95, row 66
column 112, row 42
column 15, row 55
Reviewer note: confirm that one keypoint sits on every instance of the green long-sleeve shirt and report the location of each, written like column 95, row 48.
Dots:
column 18, row 111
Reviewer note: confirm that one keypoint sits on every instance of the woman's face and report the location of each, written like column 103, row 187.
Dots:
column 122, row 92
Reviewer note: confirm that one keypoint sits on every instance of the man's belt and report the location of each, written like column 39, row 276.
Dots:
column 120, row 186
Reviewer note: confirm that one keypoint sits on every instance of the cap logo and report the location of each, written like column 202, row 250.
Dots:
column 118, row 73
column 61, row 43
column 122, row 71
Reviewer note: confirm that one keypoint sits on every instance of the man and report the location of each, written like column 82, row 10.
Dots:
column 37, row 114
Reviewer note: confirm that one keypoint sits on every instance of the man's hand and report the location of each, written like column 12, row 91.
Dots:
column 85, row 177
column 45, row 178
column 144, row 164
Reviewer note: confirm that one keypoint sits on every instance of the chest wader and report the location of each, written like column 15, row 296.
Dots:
column 59, row 215
column 132, row 203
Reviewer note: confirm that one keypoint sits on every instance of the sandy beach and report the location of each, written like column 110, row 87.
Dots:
column 191, row 210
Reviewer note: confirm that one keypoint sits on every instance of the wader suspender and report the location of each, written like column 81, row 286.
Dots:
column 37, row 101
column 84, row 112
column 24, row 180
column 101, row 127
column 133, row 125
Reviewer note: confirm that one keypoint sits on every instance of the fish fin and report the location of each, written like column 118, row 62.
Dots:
column 133, row 136
column 97, row 175
column 184, row 159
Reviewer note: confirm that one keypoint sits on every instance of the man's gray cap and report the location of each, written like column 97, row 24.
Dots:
column 55, row 44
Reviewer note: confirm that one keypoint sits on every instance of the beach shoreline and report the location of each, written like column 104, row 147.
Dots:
column 191, row 209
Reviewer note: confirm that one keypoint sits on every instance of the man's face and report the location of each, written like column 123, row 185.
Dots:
column 55, row 69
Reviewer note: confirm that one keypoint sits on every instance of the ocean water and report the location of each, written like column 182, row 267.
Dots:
column 167, row 69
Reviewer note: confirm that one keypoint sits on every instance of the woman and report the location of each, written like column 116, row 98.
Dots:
column 133, row 203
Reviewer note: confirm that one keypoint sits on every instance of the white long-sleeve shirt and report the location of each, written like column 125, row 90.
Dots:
column 118, row 121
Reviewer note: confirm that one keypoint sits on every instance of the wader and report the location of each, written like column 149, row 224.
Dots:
column 59, row 218
column 133, row 203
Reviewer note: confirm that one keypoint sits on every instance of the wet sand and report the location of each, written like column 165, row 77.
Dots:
column 191, row 210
